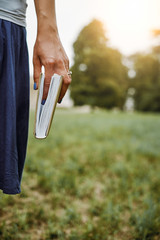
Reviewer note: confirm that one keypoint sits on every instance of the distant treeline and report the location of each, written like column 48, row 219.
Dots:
column 101, row 76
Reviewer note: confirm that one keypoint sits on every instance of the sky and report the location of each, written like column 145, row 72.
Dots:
column 128, row 23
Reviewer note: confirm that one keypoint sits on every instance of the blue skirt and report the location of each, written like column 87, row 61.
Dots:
column 14, row 105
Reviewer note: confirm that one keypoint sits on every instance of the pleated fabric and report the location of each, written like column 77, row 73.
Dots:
column 14, row 105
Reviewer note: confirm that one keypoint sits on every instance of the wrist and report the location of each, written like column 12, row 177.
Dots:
column 46, row 24
column 48, row 31
column 47, row 37
column 47, row 28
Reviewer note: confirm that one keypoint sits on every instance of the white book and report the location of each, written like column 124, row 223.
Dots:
column 44, row 113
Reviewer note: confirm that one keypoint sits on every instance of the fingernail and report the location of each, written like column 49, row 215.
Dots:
column 43, row 101
column 35, row 86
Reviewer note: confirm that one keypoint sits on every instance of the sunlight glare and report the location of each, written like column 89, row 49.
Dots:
column 129, row 21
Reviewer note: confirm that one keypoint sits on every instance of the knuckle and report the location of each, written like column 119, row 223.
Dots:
column 67, row 81
column 59, row 61
column 35, row 76
column 50, row 62
column 47, row 82
column 36, row 72
column 45, row 91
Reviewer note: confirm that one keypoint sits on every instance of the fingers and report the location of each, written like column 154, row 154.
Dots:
column 56, row 66
column 37, row 70
column 51, row 66
column 49, row 71
column 66, row 78
column 66, row 82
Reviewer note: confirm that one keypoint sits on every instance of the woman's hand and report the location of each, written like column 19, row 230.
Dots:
column 48, row 49
column 49, row 52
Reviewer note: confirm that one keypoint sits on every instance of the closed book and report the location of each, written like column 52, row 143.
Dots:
column 44, row 112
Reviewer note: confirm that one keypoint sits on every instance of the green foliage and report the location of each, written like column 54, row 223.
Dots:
column 96, row 177
column 147, row 224
column 147, row 82
column 99, row 77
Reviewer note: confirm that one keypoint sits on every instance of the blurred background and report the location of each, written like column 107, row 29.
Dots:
column 113, row 44
column 96, row 176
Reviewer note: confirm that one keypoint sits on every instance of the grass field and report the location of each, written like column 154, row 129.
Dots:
column 96, row 177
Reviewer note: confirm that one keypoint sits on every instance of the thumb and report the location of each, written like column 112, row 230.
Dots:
column 37, row 70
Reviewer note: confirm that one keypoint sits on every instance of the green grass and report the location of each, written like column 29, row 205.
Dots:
column 96, row 177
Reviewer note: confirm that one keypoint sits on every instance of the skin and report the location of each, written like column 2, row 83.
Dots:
column 48, row 50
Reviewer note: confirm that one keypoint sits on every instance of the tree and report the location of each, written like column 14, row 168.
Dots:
column 99, row 77
column 147, row 82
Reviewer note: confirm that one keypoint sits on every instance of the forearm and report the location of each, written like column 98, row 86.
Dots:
column 48, row 49
column 46, row 17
